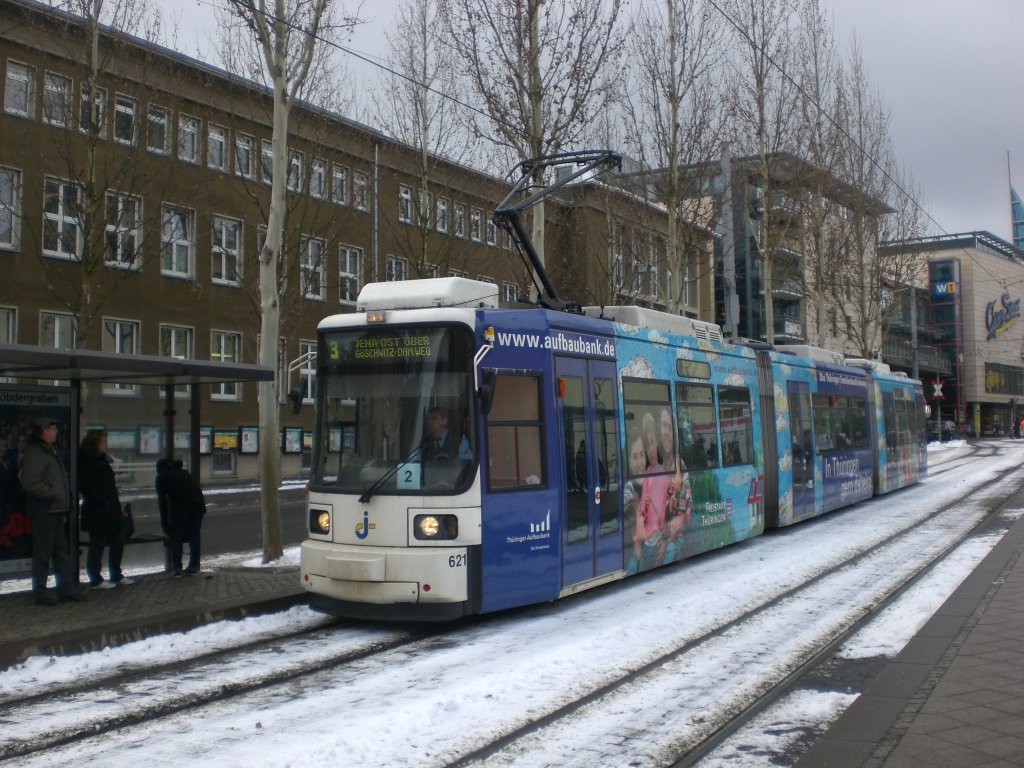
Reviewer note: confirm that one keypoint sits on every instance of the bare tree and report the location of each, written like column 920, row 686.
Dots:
column 288, row 51
column 93, row 187
column 675, row 50
column 418, row 102
column 860, row 279
column 541, row 70
column 762, row 112
column 820, row 76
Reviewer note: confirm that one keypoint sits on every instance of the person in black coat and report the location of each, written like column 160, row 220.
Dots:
column 182, row 507
column 102, row 514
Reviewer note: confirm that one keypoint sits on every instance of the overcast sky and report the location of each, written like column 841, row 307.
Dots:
column 950, row 72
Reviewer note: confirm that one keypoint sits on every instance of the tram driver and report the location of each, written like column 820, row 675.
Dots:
column 438, row 442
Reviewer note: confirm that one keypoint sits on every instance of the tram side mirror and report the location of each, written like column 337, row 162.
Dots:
column 295, row 399
column 487, row 383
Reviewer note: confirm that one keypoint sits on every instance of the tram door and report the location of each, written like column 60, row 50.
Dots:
column 590, row 536
column 803, row 449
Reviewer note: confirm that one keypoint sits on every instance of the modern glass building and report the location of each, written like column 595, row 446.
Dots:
column 1017, row 214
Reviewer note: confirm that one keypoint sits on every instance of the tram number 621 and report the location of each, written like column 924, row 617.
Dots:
column 458, row 561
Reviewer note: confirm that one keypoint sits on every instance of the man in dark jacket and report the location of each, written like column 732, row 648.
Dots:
column 182, row 507
column 48, row 504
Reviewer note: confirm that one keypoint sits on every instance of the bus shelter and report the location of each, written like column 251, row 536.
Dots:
column 40, row 382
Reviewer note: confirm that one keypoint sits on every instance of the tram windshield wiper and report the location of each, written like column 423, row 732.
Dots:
column 379, row 482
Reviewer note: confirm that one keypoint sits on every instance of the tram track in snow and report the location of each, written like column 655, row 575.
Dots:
column 108, row 702
column 707, row 724
column 350, row 651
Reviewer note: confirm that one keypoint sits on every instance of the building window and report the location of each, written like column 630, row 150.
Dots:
column 177, row 241
column 92, row 111
column 176, row 342
column 225, row 347
column 123, row 230
column 689, row 297
column 360, row 192
column 404, row 204
column 485, row 279
column 266, row 161
column 56, row 331
column 56, row 99
column 295, row 164
column 429, row 270
column 224, row 464
column 349, row 276
column 217, row 147
column 62, row 232
column 188, row 138
column 227, row 237
column 640, row 271
column 8, row 328
column 244, row 145
column 442, row 214
column 339, row 184
column 120, row 337
column 460, row 220
column 476, row 219
column 312, row 266
column 318, row 179
column 8, row 335
column 126, row 110
column 19, row 91
column 157, row 129
column 492, row 232
column 510, row 292
column 307, row 371
column 458, row 273
column 10, row 207
column 398, row 269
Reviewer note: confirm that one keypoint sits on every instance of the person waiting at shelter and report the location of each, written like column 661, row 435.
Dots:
column 47, row 487
column 102, row 514
column 182, row 507
column 438, row 443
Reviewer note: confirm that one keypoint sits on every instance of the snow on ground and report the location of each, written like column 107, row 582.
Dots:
column 506, row 688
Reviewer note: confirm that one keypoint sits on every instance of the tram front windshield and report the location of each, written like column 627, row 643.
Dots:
column 394, row 410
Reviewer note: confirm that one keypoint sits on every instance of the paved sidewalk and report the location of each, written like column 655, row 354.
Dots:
column 954, row 697
column 155, row 604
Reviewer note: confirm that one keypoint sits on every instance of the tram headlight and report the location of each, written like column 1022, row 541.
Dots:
column 435, row 527
column 319, row 521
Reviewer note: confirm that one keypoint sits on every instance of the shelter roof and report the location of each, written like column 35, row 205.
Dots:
column 24, row 361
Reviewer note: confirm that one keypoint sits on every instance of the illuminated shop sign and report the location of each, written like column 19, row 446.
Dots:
column 1001, row 315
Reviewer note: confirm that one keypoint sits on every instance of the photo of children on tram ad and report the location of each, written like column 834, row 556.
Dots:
column 658, row 504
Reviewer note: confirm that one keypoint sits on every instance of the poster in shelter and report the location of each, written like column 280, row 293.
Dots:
column 20, row 408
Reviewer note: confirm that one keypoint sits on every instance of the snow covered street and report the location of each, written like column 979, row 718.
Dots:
column 646, row 667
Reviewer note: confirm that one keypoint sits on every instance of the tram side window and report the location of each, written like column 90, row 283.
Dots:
column 840, row 422
column 857, row 422
column 698, row 438
column 904, row 418
column 644, row 401
column 889, row 414
column 736, row 417
column 515, row 450
column 824, row 440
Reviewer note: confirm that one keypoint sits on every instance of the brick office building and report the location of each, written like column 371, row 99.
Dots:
column 134, row 186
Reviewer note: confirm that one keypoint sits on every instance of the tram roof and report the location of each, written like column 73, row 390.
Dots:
column 29, row 362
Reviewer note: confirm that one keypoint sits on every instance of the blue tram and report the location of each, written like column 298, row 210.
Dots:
column 471, row 458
